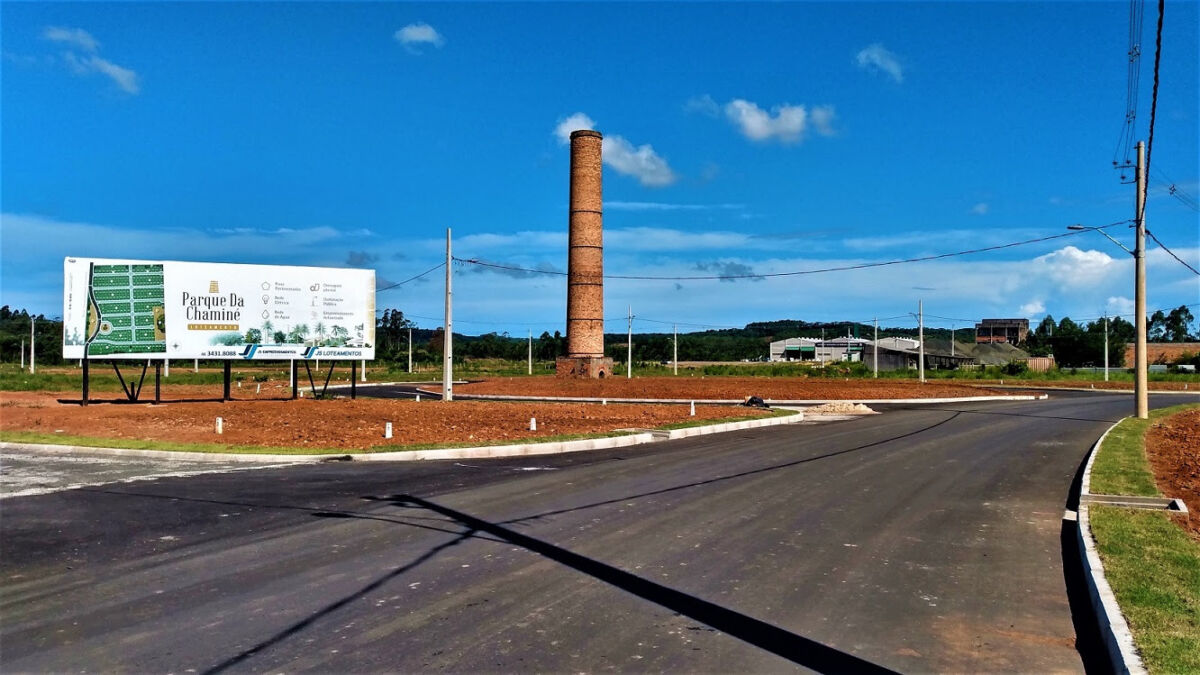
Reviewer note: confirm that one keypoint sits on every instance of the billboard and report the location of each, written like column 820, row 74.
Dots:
column 139, row 309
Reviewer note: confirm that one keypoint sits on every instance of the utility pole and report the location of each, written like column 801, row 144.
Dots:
column 530, row 351
column 22, row 355
column 410, row 350
column 629, row 347
column 921, row 337
column 875, row 351
column 32, row 358
column 196, row 366
column 1139, row 303
column 951, row 339
column 675, row 346
column 448, row 338
column 1106, row 347
column 166, row 367
column 364, row 371
column 821, row 354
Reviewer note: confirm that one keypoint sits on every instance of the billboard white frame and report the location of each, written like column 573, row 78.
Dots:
column 163, row 309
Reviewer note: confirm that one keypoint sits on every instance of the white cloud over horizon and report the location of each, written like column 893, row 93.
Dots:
column 1030, row 283
column 417, row 35
column 640, row 162
column 877, row 58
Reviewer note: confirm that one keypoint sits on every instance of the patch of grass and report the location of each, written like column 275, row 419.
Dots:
column 559, row 438
column 138, row 444
column 1153, row 567
column 1121, row 467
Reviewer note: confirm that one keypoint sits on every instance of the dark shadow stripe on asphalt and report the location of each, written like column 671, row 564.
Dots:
column 743, row 474
column 333, row 607
column 786, row 644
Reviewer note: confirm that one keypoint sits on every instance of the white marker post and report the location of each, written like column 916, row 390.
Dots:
column 220, row 426
column 533, row 424
column 387, row 430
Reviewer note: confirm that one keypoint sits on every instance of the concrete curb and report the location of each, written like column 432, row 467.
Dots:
column 479, row 452
column 1118, row 640
column 720, row 401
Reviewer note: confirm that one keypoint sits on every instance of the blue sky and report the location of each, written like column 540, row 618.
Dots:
column 739, row 138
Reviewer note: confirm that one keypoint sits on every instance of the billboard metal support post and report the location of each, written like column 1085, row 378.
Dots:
column 157, row 382
column 295, row 384
column 226, row 377
column 354, row 379
column 84, row 363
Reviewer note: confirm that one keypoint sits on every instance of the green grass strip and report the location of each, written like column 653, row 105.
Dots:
column 1121, row 467
column 1153, row 567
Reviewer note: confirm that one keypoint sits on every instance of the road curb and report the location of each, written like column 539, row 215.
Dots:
column 1114, row 631
column 721, row 401
column 478, row 452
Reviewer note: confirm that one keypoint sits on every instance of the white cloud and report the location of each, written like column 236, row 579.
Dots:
column 877, row 58
column 703, row 104
column 980, row 209
column 124, row 78
column 785, row 123
column 572, row 123
column 1071, row 267
column 641, row 161
column 75, row 37
column 416, row 35
column 1032, row 308
column 1118, row 305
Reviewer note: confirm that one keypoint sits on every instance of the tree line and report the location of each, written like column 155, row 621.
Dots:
column 1072, row 344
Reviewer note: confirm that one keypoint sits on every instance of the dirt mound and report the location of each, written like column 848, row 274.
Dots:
column 1173, row 448
column 339, row 423
column 839, row 408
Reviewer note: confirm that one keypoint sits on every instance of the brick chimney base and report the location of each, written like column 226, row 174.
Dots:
column 583, row 367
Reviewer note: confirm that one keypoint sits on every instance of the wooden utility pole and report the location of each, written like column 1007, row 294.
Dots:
column 448, row 339
column 410, row 350
column 530, row 351
column 675, row 347
column 875, row 352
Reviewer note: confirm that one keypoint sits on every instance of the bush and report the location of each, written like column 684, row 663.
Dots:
column 1016, row 368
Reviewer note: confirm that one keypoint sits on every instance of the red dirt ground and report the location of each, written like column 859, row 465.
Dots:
column 338, row 423
column 728, row 388
column 1173, row 448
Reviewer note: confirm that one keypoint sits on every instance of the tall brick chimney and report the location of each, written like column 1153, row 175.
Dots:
column 585, row 262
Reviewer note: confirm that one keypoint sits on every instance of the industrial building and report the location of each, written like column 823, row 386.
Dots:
column 813, row 349
column 1012, row 331
column 895, row 353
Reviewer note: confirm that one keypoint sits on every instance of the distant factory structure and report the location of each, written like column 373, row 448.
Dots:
column 1012, row 331
column 894, row 353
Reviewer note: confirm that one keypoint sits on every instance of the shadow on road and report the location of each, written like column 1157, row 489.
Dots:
column 795, row 648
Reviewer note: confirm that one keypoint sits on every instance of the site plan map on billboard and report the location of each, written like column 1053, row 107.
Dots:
column 140, row 309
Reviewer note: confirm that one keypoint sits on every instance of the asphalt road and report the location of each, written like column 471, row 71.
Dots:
column 923, row 539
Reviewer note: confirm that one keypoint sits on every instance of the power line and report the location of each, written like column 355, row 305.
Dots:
column 1153, row 101
column 1172, row 253
column 842, row 268
column 1132, row 82
column 401, row 283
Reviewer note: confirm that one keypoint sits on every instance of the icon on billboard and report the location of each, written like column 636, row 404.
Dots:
column 266, row 314
column 213, row 288
column 315, row 287
column 266, row 286
column 266, row 299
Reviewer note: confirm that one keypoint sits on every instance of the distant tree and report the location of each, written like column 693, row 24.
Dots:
column 253, row 336
column 1177, row 325
column 1156, row 327
column 1068, row 327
